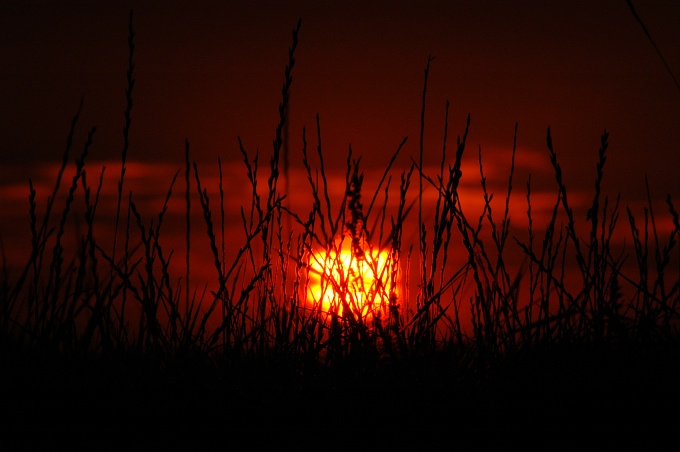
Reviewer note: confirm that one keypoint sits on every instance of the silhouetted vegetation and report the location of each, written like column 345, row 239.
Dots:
column 100, row 336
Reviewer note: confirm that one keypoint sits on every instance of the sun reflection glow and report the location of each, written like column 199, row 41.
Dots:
column 341, row 278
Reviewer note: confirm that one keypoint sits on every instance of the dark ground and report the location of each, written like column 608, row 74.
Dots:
column 562, row 397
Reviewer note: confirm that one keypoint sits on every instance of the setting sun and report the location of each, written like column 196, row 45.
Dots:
column 365, row 281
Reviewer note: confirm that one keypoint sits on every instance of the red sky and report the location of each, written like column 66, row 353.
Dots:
column 211, row 71
column 208, row 71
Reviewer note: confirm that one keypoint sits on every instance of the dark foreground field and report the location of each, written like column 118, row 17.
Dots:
column 561, row 397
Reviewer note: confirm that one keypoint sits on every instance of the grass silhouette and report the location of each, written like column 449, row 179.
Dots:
column 100, row 336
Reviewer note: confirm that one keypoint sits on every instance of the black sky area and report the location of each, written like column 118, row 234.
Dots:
column 210, row 72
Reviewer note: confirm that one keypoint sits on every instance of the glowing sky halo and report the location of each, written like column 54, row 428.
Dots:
column 365, row 282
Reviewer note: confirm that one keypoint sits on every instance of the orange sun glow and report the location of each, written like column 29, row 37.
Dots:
column 364, row 282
